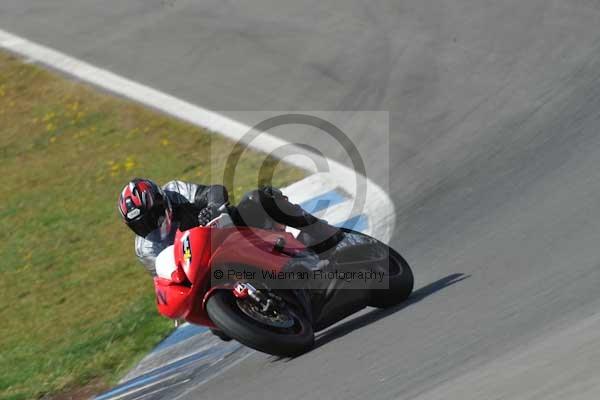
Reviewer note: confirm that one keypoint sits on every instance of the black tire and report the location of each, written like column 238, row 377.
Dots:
column 220, row 335
column 401, row 282
column 225, row 313
column 401, row 279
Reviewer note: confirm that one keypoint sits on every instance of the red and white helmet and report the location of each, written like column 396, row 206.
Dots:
column 145, row 208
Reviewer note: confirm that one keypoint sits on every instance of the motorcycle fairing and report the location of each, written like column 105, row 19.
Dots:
column 197, row 250
column 256, row 247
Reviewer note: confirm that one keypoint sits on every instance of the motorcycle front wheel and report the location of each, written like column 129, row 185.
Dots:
column 286, row 333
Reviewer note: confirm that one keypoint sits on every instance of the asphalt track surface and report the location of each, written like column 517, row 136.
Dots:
column 494, row 172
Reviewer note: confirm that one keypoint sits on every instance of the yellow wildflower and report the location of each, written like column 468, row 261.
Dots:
column 129, row 164
column 165, row 142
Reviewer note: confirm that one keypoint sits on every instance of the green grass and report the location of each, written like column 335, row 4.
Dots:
column 76, row 305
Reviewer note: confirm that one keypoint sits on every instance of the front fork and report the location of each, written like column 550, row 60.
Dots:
column 244, row 290
column 267, row 301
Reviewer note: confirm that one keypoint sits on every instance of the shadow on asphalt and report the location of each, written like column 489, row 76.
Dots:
column 377, row 314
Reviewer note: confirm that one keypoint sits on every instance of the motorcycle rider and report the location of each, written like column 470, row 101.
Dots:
column 155, row 213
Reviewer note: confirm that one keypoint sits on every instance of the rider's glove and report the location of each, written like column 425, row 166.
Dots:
column 207, row 214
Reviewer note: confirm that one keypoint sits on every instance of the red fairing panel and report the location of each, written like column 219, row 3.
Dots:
column 172, row 300
column 194, row 248
column 255, row 247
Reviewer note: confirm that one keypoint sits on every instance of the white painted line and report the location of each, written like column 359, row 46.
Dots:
column 378, row 205
column 319, row 183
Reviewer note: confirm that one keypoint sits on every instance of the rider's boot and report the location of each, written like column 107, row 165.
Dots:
column 261, row 207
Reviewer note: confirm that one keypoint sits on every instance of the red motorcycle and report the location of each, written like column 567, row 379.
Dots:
column 265, row 289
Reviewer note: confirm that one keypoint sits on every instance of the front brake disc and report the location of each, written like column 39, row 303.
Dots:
column 275, row 319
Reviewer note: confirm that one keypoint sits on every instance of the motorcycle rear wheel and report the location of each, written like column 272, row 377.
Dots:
column 401, row 282
column 224, row 310
column 401, row 278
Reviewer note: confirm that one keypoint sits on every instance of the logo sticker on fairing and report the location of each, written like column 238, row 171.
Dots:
column 187, row 251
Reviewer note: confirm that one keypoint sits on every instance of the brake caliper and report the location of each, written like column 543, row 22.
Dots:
column 245, row 290
column 241, row 290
